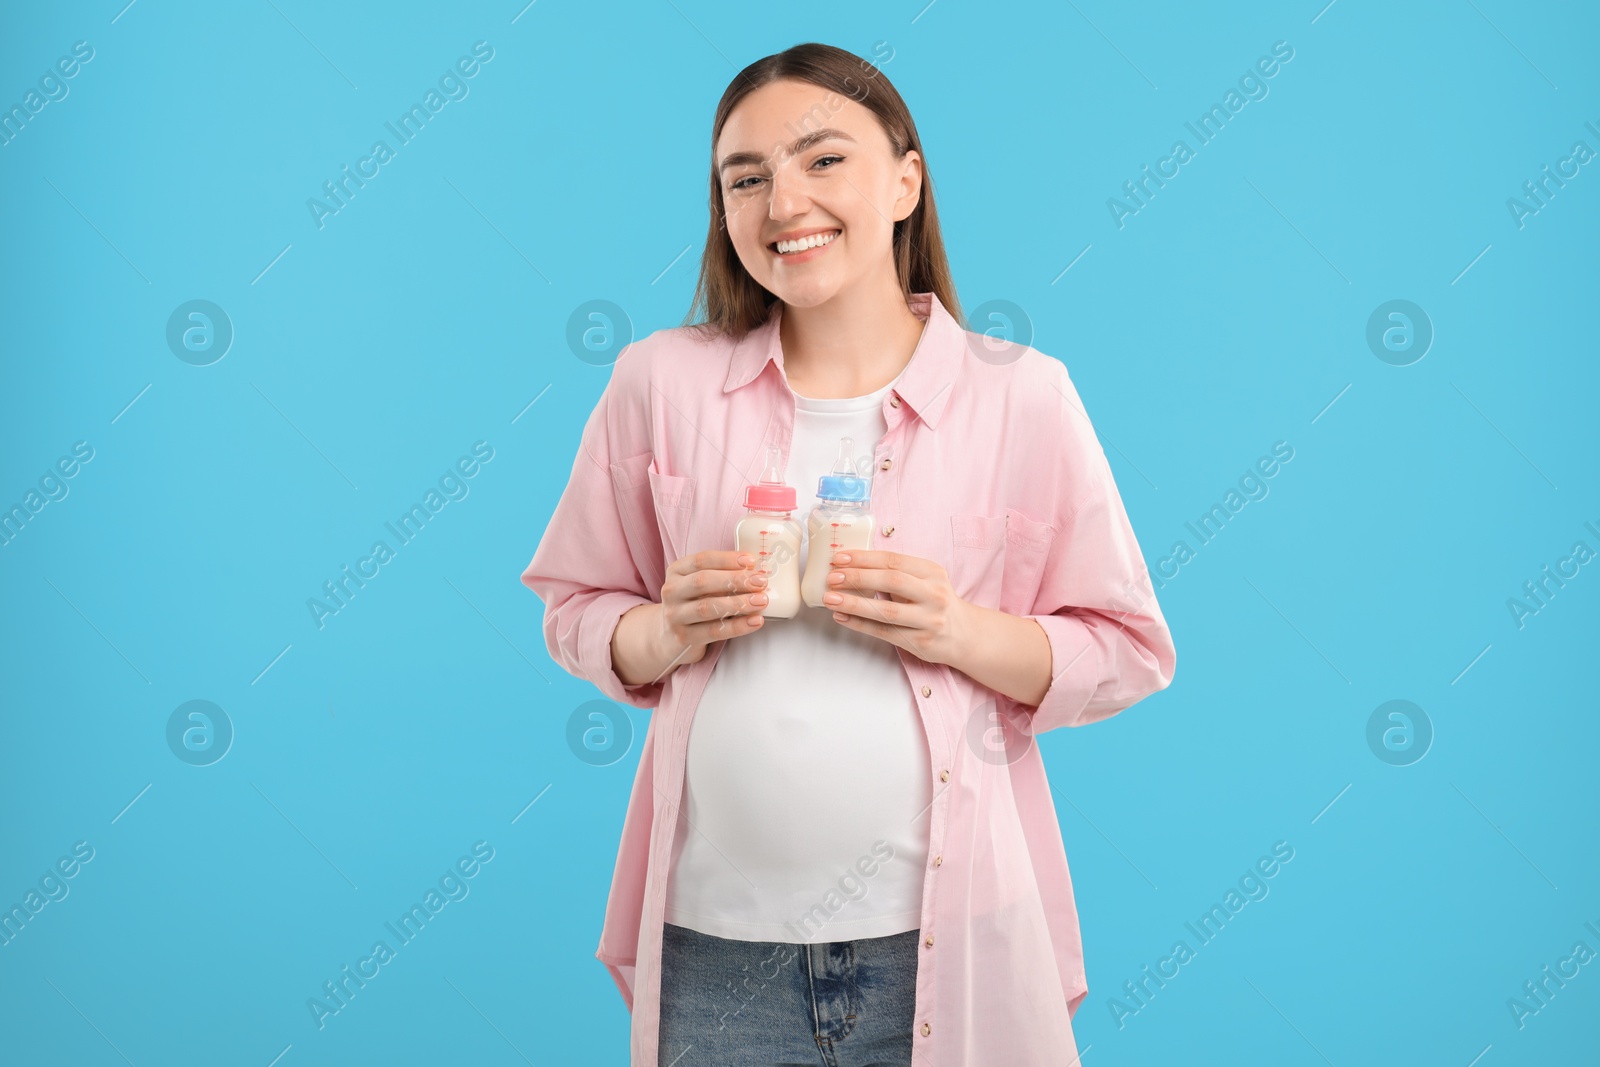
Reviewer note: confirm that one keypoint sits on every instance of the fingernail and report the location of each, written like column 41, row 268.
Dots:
column 746, row 560
column 833, row 598
column 759, row 598
column 841, row 557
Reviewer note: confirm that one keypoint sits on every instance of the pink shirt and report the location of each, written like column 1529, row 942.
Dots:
column 990, row 468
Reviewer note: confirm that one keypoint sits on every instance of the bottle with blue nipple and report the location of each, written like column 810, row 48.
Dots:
column 841, row 519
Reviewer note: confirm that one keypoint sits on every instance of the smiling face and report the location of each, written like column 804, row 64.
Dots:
column 812, row 189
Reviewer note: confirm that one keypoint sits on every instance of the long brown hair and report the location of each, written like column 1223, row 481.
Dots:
column 732, row 301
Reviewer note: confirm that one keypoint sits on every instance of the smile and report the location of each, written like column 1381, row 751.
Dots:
column 804, row 244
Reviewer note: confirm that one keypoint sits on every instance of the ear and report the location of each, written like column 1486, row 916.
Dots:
column 910, row 185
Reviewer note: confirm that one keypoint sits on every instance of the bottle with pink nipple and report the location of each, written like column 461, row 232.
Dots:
column 771, row 534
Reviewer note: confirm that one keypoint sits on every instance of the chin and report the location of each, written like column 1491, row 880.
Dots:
column 806, row 299
column 806, row 295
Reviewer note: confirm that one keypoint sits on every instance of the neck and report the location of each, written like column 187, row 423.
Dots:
column 851, row 345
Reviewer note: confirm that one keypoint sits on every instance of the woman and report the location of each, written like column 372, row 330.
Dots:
column 840, row 847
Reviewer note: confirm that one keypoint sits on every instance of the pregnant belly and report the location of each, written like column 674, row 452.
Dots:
column 806, row 746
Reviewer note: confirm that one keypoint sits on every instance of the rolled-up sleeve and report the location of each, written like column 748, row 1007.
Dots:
column 584, row 568
column 1109, row 643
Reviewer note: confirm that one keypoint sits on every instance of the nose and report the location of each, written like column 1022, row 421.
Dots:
column 786, row 200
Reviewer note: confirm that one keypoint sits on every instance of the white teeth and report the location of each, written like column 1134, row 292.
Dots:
column 790, row 247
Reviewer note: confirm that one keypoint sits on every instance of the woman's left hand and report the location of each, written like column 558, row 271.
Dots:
column 923, row 614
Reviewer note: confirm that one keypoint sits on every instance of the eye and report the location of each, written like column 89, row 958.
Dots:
column 744, row 183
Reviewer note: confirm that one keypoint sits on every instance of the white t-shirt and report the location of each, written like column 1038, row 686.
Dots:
column 806, row 794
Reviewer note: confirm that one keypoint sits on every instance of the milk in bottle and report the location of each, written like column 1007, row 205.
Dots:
column 841, row 519
column 770, row 533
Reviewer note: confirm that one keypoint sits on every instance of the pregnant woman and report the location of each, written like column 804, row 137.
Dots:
column 840, row 847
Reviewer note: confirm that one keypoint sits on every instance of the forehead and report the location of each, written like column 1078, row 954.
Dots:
column 780, row 112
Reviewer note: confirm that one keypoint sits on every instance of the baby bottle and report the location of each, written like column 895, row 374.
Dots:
column 770, row 533
column 841, row 519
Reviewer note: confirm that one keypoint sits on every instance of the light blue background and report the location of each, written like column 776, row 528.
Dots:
column 1228, row 314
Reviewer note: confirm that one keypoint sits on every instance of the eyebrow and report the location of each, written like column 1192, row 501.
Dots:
column 739, row 159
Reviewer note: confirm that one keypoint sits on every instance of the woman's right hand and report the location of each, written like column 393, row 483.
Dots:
column 711, row 596
column 707, row 596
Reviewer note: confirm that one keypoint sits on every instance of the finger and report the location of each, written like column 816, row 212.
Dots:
column 895, row 635
column 899, row 614
column 734, row 622
column 698, row 611
column 711, row 608
column 866, row 582
column 713, row 559
column 731, row 624
column 728, row 583
column 713, row 581
column 725, row 630
column 880, row 559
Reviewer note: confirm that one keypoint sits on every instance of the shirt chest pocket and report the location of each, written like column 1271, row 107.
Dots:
column 672, row 496
column 655, row 510
column 997, row 560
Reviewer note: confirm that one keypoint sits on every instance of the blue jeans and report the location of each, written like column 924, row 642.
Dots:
column 728, row 1003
